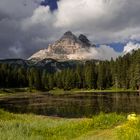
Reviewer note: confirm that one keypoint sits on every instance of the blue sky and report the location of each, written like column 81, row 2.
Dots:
column 117, row 46
column 51, row 3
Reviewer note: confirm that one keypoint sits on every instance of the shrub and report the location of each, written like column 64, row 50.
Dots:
column 103, row 121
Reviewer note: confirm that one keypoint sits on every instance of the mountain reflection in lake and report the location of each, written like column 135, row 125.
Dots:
column 72, row 105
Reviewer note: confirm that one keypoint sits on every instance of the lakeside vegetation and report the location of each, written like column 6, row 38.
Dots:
column 16, row 126
column 57, row 91
column 102, row 127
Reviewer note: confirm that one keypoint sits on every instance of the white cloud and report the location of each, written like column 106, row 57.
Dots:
column 41, row 16
column 103, row 52
column 86, row 11
column 103, row 21
column 130, row 47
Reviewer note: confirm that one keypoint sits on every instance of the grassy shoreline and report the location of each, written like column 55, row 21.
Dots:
column 75, row 91
column 11, row 91
column 102, row 127
column 17, row 126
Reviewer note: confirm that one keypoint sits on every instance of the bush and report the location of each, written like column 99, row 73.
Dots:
column 103, row 121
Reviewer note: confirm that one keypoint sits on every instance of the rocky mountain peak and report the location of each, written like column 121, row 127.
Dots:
column 68, row 33
column 84, row 39
column 69, row 44
column 68, row 36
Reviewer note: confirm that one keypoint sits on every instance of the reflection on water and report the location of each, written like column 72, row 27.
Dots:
column 68, row 105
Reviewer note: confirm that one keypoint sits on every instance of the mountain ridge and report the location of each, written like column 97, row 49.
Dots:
column 48, row 64
column 62, row 49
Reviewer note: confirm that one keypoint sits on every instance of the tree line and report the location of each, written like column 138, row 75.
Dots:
column 124, row 72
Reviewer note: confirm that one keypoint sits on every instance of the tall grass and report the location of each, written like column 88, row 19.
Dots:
column 105, row 121
column 28, row 127
column 32, row 127
column 129, row 130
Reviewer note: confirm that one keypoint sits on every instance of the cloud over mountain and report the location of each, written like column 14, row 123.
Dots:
column 102, row 53
column 130, row 47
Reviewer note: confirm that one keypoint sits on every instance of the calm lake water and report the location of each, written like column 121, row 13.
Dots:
column 68, row 105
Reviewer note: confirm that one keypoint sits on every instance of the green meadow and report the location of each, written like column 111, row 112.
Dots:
column 99, row 127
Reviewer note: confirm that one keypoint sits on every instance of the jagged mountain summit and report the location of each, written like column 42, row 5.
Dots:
column 68, row 47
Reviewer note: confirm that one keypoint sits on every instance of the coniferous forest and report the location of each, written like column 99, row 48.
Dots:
column 124, row 72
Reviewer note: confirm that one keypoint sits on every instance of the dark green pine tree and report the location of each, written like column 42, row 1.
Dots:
column 101, row 76
column 21, row 77
column 58, row 79
column 34, row 78
column 79, row 76
column 37, row 79
column 4, row 76
column 137, row 76
column 50, row 82
column 44, row 80
column 68, row 80
column 90, row 77
column 108, row 75
column 30, row 78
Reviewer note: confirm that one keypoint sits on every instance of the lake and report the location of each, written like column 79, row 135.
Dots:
column 72, row 105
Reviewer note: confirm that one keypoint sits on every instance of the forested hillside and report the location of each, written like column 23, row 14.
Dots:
column 124, row 72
